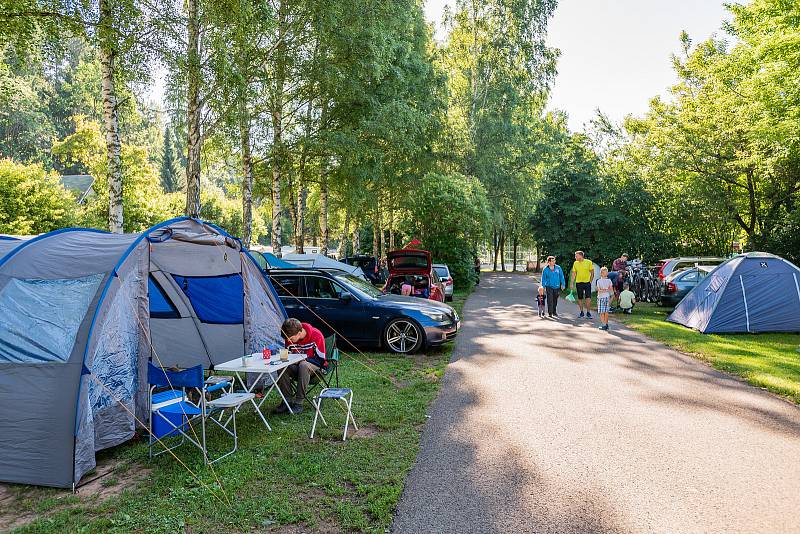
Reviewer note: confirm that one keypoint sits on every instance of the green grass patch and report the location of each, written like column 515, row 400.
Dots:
column 276, row 478
column 770, row 361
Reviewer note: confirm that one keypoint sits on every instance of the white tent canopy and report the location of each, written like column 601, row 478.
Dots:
column 322, row 262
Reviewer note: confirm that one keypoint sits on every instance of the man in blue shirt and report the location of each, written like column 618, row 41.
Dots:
column 553, row 282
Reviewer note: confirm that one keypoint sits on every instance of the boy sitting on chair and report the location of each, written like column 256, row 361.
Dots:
column 301, row 338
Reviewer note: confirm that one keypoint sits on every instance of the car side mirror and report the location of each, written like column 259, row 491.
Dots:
column 345, row 296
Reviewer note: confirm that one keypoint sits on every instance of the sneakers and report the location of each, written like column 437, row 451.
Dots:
column 588, row 315
column 580, row 316
column 603, row 327
column 297, row 407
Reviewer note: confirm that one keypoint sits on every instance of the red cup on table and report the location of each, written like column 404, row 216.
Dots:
column 266, row 354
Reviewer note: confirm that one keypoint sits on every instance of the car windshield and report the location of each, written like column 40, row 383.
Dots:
column 358, row 283
column 442, row 272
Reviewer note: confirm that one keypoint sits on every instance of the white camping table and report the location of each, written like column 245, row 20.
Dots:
column 256, row 364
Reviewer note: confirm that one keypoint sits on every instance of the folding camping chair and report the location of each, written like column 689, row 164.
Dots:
column 326, row 376
column 172, row 413
column 343, row 394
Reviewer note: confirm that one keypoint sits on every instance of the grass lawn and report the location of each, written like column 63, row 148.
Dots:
column 278, row 481
column 771, row 361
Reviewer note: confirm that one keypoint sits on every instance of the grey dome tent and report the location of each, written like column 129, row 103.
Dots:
column 83, row 311
column 753, row 292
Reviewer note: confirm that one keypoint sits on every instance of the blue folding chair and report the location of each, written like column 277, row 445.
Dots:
column 172, row 413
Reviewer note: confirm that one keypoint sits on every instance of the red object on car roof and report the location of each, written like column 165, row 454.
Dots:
column 413, row 243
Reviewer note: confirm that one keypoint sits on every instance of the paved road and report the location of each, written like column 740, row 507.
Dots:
column 545, row 426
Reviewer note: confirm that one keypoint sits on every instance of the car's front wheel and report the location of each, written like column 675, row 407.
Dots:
column 403, row 336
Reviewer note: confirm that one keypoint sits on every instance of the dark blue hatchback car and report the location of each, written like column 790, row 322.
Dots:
column 362, row 315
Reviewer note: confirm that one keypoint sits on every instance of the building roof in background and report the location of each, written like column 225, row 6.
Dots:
column 80, row 184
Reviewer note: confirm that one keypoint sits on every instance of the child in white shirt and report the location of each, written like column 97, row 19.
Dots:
column 605, row 288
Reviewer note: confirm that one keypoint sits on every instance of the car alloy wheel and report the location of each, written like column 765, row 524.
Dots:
column 403, row 336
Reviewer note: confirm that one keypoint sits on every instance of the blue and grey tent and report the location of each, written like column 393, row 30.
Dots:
column 83, row 311
column 753, row 292
column 268, row 260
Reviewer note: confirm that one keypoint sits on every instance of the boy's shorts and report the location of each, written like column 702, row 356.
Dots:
column 602, row 305
column 583, row 290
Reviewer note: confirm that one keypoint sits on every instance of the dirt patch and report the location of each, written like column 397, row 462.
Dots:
column 320, row 528
column 21, row 505
column 367, row 431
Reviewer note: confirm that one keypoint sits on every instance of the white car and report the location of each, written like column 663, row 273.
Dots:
column 447, row 280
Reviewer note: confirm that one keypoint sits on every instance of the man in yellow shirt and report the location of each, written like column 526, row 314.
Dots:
column 582, row 275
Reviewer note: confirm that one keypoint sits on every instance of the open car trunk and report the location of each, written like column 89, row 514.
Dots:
column 409, row 261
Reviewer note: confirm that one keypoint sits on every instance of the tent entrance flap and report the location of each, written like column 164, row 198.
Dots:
column 215, row 299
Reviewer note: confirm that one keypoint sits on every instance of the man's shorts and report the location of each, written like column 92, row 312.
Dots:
column 583, row 290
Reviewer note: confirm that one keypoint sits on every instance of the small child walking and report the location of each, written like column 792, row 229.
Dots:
column 541, row 299
column 605, row 288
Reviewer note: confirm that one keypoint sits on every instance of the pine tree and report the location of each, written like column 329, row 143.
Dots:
column 169, row 167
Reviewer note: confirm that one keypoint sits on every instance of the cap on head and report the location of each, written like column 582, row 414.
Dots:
column 624, row 255
column 580, row 253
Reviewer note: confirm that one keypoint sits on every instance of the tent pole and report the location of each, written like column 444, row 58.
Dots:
column 744, row 297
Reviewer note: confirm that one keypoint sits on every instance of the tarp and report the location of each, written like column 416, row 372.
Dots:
column 78, row 326
column 319, row 261
column 275, row 262
column 753, row 292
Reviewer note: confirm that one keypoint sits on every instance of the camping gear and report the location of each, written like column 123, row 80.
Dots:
column 81, row 313
column 318, row 261
column 172, row 414
column 326, row 375
column 343, row 394
column 261, row 368
column 753, row 292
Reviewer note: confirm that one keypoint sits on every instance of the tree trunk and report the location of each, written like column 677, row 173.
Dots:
column 382, row 230
column 111, row 123
column 194, row 112
column 247, row 176
column 323, row 208
column 292, row 203
column 342, row 251
column 502, row 250
column 301, row 218
column 391, row 226
column 376, row 228
column 356, row 240
column 495, row 241
column 515, row 242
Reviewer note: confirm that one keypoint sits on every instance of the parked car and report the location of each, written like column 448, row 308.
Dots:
column 678, row 284
column 361, row 314
column 446, row 278
column 414, row 266
column 672, row 265
column 367, row 264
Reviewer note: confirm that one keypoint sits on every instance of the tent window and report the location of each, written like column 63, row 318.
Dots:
column 716, row 283
column 161, row 307
column 215, row 299
column 39, row 319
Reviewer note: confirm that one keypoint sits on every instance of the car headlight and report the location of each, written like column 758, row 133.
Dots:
column 434, row 315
